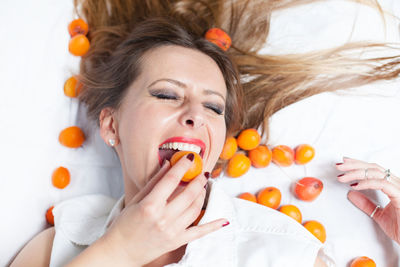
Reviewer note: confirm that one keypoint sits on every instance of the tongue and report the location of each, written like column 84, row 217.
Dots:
column 166, row 154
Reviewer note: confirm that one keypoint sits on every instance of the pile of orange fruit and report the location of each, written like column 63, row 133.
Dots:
column 78, row 46
column 271, row 197
column 79, row 43
column 73, row 136
column 246, row 150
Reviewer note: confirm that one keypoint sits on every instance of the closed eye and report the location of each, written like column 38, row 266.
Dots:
column 164, row 95
column 216, row 108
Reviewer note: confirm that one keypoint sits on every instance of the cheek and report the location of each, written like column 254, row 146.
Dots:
column 138, row 134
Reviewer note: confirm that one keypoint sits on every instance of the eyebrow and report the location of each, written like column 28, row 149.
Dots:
column 183, row 85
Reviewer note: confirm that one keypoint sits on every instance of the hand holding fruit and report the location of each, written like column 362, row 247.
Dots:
column 154, row 223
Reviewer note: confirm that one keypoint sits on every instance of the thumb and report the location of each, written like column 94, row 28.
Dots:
column 362, row 202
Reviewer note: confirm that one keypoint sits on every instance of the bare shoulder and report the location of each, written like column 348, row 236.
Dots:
column 37, row 252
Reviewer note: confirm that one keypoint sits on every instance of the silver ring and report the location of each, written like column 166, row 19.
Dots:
column 366, row 173
column 387, row 175
column 373, row 213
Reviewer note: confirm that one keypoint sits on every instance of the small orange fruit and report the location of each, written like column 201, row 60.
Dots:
column 248, row 196
column 303, row 154
column 270, row 197
column 260, row 156
column 219, row 38
column 216, row 172
column 71, row 87
column 363, row 262
column 72, row 137
column 61, row 177
column 308, row 188
column 79, row 45
column 229, row 149
column 78, row 26
column 238, row 165
column 248, row 139
column 317, row 229
column 291, row 211
column 282, row 155
column 196, row 222
column 194, row 170
column 49, row 216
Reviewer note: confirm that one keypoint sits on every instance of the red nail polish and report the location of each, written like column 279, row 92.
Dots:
column 207, row 175
column 340, row 175
column 225, row 224
column 355, row 184
column 190, row 156
column 339, row 163
column 182, row 183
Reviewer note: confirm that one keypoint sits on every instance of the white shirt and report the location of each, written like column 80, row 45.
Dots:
column 256, row 235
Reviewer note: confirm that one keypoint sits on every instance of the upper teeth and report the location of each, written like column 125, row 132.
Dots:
column 182, row 146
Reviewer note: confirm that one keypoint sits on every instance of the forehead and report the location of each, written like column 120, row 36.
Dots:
column 186, row 65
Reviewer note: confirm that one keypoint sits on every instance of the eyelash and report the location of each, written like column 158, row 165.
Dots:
column 164, row 96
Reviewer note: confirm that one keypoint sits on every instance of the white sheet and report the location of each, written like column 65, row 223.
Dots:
column 362, row 123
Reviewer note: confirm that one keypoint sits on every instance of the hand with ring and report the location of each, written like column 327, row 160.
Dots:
column 363, row 175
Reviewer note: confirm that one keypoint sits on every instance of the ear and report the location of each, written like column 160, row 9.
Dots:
column 108, row 126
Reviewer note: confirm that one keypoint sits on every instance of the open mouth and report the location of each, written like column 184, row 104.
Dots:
column 172, row 145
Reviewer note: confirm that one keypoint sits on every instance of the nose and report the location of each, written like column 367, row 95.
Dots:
column 192, row 117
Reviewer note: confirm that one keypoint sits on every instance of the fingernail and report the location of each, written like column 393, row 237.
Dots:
column 225, row 224
column 340, row 175
column 339, row 163
column 190, row 156
column 182, row 183
column 207, row 175
column 355, row 184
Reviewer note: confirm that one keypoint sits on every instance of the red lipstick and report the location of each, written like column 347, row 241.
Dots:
column 187, row 140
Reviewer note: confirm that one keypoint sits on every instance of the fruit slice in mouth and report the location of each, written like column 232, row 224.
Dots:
column 196, row 167
column 167, row 150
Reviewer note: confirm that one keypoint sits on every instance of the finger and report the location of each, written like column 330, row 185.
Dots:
column 352, row 164
column 170, row 181
column 392, row 191
column 182, row 201
column 188, row 216
column 149, row 186
column 362, row 202
column 196, row 232
column 394, row 179
column 360, row 174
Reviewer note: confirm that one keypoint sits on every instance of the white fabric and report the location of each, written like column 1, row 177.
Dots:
column 362, row 124
column 256, row 234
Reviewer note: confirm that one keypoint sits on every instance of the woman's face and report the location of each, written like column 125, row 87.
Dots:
column 178, row 101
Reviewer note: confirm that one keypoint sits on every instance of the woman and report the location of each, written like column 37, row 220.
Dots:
column 164, row 83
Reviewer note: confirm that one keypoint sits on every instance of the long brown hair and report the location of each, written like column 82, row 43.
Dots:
column 269, row 82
